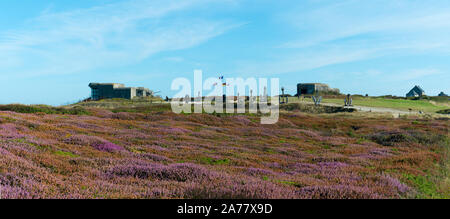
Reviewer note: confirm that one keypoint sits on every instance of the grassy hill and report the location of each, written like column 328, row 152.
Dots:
column 431, row 105
column 115, row 103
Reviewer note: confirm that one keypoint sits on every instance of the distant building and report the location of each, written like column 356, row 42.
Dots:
column 442, row 94
column 114, row 90
column 417, row 91
column 313, row 88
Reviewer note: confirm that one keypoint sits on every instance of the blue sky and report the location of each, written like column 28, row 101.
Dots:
column 51, row 50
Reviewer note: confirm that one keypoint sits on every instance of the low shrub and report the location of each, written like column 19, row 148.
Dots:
column 390, row 138
column 446, row 111
column 18, row 108
column 338, row 192
column 309, row 108
column 176, row 172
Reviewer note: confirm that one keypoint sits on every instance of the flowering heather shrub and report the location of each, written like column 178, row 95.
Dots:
column 8, row 192
column 365, row 157
column 215, row 156
column 332, row 165
column 9, row 180
column 184, row 172
column 83, row 140
column 176, row 172
column 391, row 182
column 304, row 168
column 259, row 172
column 132, row 170
column 156, row 147
column 338, row 192
column 130, row 137
column 157, row 117
column 9, row 130
column 83, row 125
column 154, row 157
column 96, row 142
column 274, row 165
column 176, row 130
column 106, row 146
column 327, row 169
column 15, row 187
column 309, row 133
column 381, row 152
column 239, row 189
column 390, row 138
column 21, row 146
column 101, row 113
column 123, row 116
column 242, row 119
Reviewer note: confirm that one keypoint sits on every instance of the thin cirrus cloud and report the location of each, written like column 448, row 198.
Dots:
column 413, row 74
column 379, row 22
column 348, row 31
column 103, row 36
column 303, row 61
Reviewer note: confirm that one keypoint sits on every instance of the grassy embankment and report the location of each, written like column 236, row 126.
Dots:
column 424, row 105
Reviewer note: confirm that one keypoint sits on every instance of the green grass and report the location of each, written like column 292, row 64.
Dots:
column 65, row 154
column 212, row 161
column 117, row 103
column 24, row 141
column 428, row 105
column 18, row 108
column 437, row 185
column 426, row 187
column 156, row 107
column 400, row 103
column 292, row 184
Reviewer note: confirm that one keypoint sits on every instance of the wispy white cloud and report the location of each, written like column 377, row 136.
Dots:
column 302, row 61
column 413, row 74
column 103, row 36
column 395, row 76
column 391, row 24
column 335, row 32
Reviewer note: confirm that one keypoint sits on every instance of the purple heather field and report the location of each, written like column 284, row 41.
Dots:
column 156, row 155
